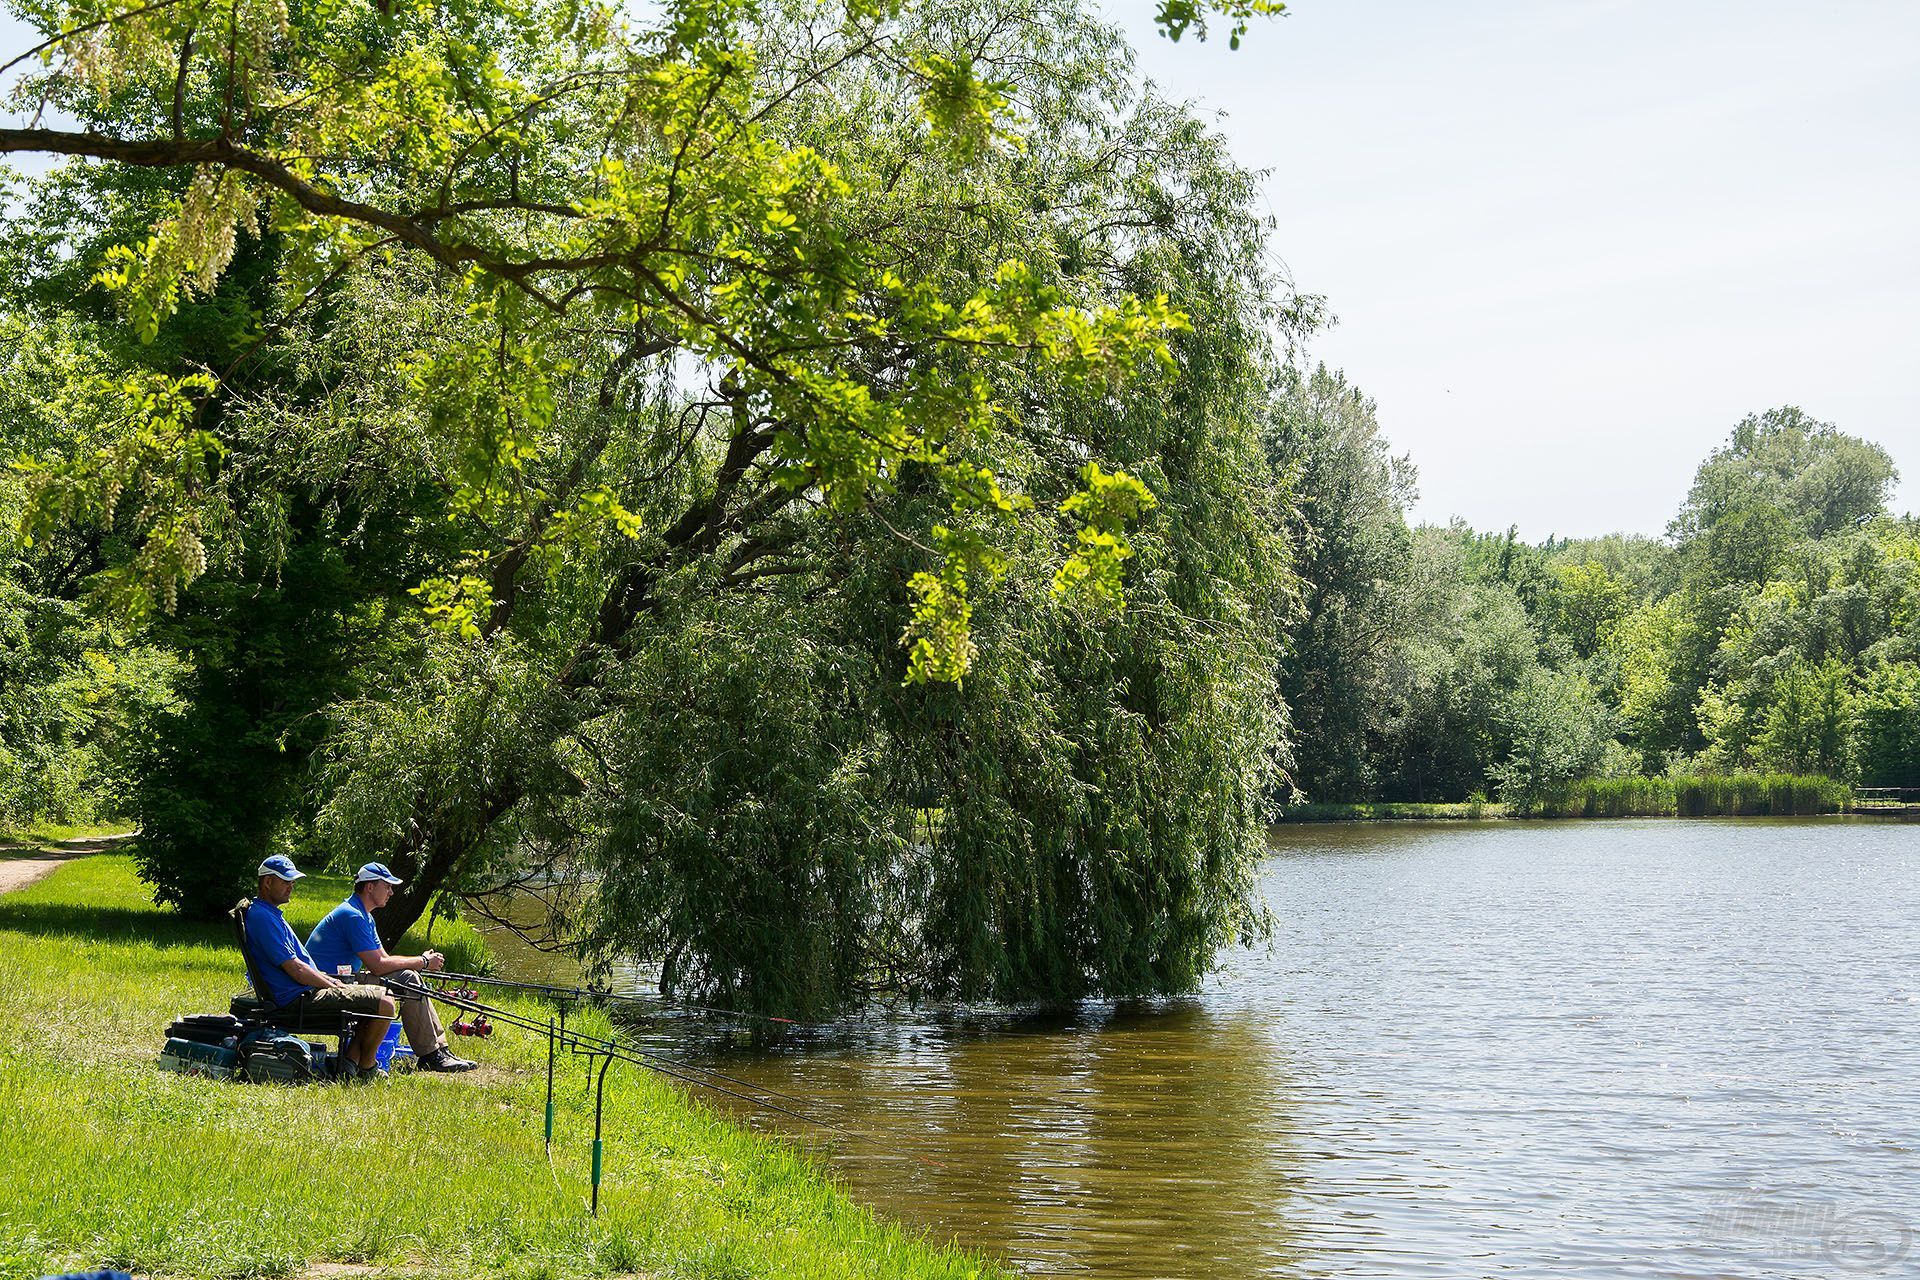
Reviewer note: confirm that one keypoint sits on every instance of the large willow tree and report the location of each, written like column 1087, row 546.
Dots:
column 754, row 421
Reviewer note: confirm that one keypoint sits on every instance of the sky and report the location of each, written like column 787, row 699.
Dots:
column 1570, row 243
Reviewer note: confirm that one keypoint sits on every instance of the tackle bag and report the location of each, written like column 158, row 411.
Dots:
column 208, row 1028
column 192, row 1058
column 278, row 1057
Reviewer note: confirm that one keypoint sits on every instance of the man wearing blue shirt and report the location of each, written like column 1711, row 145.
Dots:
column 346, row 940
column 291, row 976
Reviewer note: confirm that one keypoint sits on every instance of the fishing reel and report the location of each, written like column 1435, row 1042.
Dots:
column 479, row 1026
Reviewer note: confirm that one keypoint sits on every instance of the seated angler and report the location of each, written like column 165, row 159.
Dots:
column 292, row 977
column 347, row 938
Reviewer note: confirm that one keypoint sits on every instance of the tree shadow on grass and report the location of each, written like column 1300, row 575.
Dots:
column 114, row 924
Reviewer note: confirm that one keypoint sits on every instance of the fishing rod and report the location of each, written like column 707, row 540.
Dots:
column 600, row 993
column 610, row 1050
column 578, row 1042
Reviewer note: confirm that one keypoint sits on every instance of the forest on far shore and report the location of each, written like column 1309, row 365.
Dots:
column 1775, row 628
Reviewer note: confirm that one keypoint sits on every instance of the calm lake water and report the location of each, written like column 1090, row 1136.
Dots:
column 1640, row 1048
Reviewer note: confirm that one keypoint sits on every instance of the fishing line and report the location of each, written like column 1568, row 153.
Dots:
column 690, row 1072
column 601, row 993
column 595, row 1046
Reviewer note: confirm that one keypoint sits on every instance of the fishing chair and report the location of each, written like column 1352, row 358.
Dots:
column 297, row 1017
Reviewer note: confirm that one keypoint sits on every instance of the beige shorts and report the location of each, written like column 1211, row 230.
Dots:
column 363, row 999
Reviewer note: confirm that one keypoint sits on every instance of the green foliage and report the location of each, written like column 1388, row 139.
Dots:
column 1583, row 603
column 1648, row 651
column 1770, row 794
column 1102, row 510
column 77, row 691
column 1750, row 644
column 1809, row 474
column 1559, row 731
column 1353, row 554
column 74, row 701
column 577, row 174
column 141, row 447
column 1888, row 743
column 1809, row 725
column 780, row 820
column 961, row 108
column 1466, row 663
column 1177, row 17
column 611, row 406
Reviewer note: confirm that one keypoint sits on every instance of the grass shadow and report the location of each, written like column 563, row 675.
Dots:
column 148, row 927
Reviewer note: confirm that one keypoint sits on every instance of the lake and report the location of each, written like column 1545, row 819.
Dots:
column 1635, row 1048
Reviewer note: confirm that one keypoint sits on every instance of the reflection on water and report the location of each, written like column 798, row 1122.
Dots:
column 1058, row 1140
column 1636, row 1048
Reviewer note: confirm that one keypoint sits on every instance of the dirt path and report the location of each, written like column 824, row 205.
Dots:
column 18, row 872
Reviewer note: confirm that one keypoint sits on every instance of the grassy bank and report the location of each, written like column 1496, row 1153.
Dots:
column 1381, row 810
column 1733, row 795
column 106, row 1160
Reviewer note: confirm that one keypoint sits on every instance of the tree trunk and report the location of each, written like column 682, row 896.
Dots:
column 433, row 861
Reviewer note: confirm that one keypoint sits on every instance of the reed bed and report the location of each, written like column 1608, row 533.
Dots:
column 1775, row 795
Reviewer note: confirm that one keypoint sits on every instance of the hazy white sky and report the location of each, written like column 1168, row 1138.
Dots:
column 1571, row 242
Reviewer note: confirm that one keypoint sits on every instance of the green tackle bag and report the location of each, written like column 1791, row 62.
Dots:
column 278, row 1057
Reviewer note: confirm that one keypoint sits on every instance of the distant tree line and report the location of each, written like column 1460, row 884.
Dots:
column 1775, row 628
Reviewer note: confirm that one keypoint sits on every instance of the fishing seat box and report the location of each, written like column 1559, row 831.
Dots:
column 208, row 1028
column 192, row 1058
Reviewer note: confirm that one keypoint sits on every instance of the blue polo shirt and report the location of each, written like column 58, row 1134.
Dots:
column 342, row 935
column 272, row 941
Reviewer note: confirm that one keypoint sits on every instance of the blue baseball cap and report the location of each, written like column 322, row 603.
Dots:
column 281, row 865
column 376, row 871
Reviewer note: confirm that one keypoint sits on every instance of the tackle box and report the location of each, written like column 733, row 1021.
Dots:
column 190, row 1058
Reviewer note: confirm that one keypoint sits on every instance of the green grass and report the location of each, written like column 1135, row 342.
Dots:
column 106, row 1160
column 1468, row 810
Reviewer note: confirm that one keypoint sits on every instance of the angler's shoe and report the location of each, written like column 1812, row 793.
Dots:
column 443, row 1060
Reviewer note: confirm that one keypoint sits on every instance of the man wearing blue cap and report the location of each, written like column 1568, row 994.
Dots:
column 347, row 940
column 290, row 974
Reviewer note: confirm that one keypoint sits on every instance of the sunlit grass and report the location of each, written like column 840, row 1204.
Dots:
column 106, row 1160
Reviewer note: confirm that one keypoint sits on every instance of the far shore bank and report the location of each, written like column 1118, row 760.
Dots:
column 1490, row 811
column 1733, row 795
